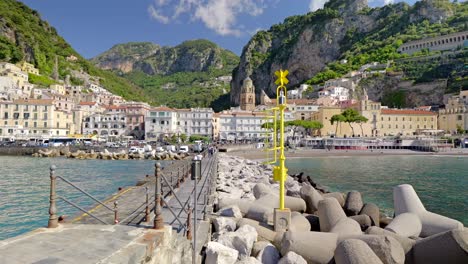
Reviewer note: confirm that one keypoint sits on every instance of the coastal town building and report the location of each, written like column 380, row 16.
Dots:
column 454, row 117
column 407, row 122
column 297, row 93
column 160, row 122
column 28, row 67
column 18, row 76
column 247, row 96
column 239, row 125
column 136, row 113
column 109, row 125
column 451, row 41
column 34, row 118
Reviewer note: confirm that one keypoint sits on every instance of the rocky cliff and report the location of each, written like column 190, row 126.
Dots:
column 152, row 59
column 343, row 29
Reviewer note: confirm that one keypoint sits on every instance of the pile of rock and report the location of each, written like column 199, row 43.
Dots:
column 324, row 227
column 106, row 155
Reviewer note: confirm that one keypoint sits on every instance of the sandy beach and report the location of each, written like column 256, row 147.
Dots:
column 259, row 154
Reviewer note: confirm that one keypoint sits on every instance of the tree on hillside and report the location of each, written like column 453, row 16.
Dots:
column 338, row 119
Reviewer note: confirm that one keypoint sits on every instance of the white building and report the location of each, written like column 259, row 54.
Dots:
column 105, row 125
column 337, row 93
column 164, row 122
column 240, row 125
column 297, row 93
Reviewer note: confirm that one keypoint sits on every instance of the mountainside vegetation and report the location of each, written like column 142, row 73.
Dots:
column 347, row 34
column 25, row 36
column 183, row 76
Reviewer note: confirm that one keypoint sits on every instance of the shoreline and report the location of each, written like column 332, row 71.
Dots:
column 259, row 154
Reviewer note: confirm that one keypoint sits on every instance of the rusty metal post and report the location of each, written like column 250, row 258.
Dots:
column 189, row 223
column 158, row 220
column 116, row 217
column 53, row 219
column 172, row 184
column 178, row 178
column 147, row 210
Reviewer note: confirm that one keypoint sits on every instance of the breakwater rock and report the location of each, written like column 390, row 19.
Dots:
column 106, row 155
column 325, row 227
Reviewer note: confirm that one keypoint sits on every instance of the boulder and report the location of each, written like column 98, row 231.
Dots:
column 217, row 253
column 354, row 251
column 405, row 200
column 447, row 247
column 314, row 247
column 269, row 254
column 311, row 198
column 363, row 220
column 224, row 224
column 230, row 211
column 330, row 213
column 264, row 231
column 405, row 242
column 353, row 203
column 299, row 222
column 242, row 240
column 373, row 211
column 259, row 246
column 387, row 249
column 249, row 260
column 406, row 224
column 337, row 195
column 292, row 258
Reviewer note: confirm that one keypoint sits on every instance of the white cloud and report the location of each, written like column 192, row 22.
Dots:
column 387, row 2
column 316, row 4
column 220, row 16
column 157, row 16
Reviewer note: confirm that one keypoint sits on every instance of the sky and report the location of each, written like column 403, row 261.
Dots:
column 94, row 26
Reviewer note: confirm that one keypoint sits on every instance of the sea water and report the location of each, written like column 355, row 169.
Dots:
column 440, row 181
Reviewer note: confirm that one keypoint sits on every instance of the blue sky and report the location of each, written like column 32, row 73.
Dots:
column 94, row 26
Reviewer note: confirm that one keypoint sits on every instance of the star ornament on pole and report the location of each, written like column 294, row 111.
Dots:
column 281, row 77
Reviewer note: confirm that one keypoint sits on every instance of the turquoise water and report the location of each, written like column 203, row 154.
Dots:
column 25, row 186
column 440, row 181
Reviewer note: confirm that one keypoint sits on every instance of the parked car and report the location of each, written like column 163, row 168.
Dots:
column 136, row 150
column 183, row 149
column 159, row 149
column 171, row 148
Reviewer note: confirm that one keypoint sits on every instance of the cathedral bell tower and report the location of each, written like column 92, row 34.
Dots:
column 247, row 96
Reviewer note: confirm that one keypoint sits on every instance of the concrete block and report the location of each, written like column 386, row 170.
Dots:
column 261, row 189
column 354, row 251
column 282, row 220
column 242, row 240
column 353, row 203
column 385, row 221
column 218, row 253
column 264, row 231
column 230, row 211
column 364, row 221
column 448, row 247
column 293, row 203
column 314, row 247
column 386, row 248
column 346, row 226
column 311, row 197
column 405, row 242
column 373, row 212
column 249, row 260
column 406, row 200
column 269, row 254
column 337, row 195
column 406, row 224
column 259, row 212
column 330, row 213
column 292, row 258
column 299, row 222
column 243, row 205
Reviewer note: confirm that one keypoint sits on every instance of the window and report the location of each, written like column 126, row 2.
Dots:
column 26, row 124
column 35, row 124
column 35, row 116
column 45, row 116
column 45, row 124
column 15, row 115
column 459, row 117
column 26, row 115
column 5, row 116
column 58, row 124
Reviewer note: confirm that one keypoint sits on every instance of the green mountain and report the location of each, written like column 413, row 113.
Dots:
column 25, row 36
column 182, row 76
column 347, row 34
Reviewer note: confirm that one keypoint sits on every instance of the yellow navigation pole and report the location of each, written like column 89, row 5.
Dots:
column 282, row 215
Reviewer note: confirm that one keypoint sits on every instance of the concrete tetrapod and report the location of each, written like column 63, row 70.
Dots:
column 346, row 226
column 269, row 254
column 406, row 224
column 292, row 258
column 448, row 247
column 337, row 195
column 314, row 247
column 243, row 205
column 311, row 197
column 363, row 220
column 353, row 203
column 354, row 251
column 387, row 248
column 372, row 211
column 260, row 190
column 330, row 213
column 405, row 200
column 293, row 203
column 405, row 242
column 264, row 231
column 299, row 222
column 260, row 212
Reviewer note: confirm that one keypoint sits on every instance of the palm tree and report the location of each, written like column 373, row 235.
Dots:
column 337, row 119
